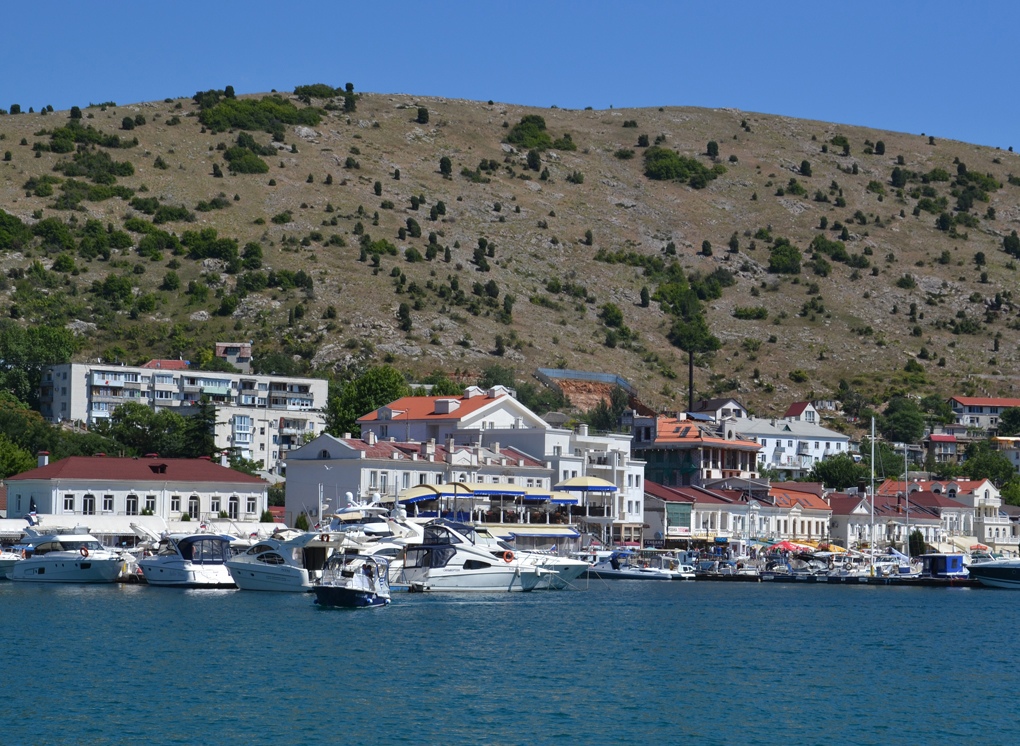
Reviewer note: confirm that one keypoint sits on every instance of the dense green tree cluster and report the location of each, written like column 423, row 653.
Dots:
column 268, row 114
column 663, row 164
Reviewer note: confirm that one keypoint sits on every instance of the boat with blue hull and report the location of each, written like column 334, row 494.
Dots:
column 353, row 581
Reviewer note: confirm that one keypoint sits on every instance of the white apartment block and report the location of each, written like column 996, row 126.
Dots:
column 262, row 416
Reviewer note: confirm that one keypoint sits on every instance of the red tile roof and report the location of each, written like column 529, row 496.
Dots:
column 790, row 498
column 942, row 438
column 418, row 408
column 692, row 494
column 101, row 468
column 684, row 432
column 979, row 401
column 167, row 364
column 842, row 504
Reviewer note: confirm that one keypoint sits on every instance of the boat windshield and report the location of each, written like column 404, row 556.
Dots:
column 74, row 545
column 205, row 550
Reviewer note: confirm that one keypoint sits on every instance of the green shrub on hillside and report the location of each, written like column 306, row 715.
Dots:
column 663, row 164
column 96, row 165
column 266, row 114
column 315, row 90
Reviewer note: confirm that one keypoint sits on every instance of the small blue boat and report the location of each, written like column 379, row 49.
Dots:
column 353, row 581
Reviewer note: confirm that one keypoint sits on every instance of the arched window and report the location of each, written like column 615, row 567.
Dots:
column 324, row 454
column 233, row 507
column 88, row 505
column 131, row 505
column 194, row 506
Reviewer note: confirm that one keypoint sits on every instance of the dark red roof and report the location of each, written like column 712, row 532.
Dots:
column 796, row 409
column 101, row 468
column 167, row 364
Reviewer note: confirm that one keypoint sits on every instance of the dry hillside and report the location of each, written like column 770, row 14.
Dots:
column 831, row 321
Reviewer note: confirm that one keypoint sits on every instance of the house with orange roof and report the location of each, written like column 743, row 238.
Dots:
column 682, row 452
column 979, row 412
column 495, row 420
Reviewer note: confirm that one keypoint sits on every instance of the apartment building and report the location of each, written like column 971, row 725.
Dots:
column 263, row 417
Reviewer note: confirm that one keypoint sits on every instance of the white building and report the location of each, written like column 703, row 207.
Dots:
column 263, row 417
column 379, row 471
column 76, row 488
column 494, row 418
column 792, row 446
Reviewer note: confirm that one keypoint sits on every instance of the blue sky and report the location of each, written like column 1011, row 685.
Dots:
column 947, row 69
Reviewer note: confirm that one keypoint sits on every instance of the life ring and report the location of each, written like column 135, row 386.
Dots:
column 84, row 552
column 508, row 556
column 324, row 537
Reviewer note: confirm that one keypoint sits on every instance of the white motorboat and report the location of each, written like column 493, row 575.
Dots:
column 619, row 565
column 556, row 572
column 7, row 560
column 274, row 565
column 351, row 580
column 67, row 558
column 452, row 558
column 190, row 561
column 1000, row 573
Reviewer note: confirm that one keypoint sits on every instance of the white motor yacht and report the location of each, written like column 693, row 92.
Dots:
column 620, row 565
column 451, row 558
column 556, row 572
column 67, row 558
column 190, row 561
column 7, row 560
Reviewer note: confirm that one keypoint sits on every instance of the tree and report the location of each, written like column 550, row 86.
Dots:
column 445, row 166
column 423, row 115
column 903, row 421
column 838, row 472
column 75, row 112
column 589, row 238
column 1011, row 244
column 1009, row 421
column 228, row 92
column 352, row 399
column 713, row 149
column 805, row 168
column 200, row 431
column 404, row 317
column 534, row 160
column 645, row 297
column 880, row 148
column 13, row 458
column 24, row 352
column 127, row 123
column 984, row 462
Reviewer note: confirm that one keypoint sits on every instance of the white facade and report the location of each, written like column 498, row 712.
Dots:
column 120, row 494
column 263, row 417
column 374, row 470
column 792, row 446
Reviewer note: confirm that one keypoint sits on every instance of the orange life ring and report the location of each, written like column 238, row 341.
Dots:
column 508, row 556
column 84, row 552
column 324, row 537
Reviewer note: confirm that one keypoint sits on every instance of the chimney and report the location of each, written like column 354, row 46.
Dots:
column 44, row 458
column 370, row 437
column 582, row 430
column 495, row 447
column 347, row 436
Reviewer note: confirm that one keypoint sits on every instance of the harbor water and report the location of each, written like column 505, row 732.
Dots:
column 623, row 662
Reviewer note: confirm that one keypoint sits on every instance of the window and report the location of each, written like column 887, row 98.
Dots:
column 194, row 506
column 789, row 444
column 406, row 480
column 423, row 479
column 233, row 507
column 175, row 504
column 384, row 431
column 150, row 503
column 557, row 450
column 816, row 445
column 384, row 479
column 214, row 505
column 68, row 503
column 373, row 480
column 131, row 505
column 764, row 442
column 88, row 505
column 251, row 505
column 107, row 503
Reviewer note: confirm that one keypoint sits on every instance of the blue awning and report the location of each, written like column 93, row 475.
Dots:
column 566, row 533
column 564, row 501
column 420, row 498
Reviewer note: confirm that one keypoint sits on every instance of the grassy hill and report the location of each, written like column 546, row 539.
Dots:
column 888, row 300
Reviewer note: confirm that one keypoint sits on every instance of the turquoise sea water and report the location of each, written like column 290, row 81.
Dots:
column 623, row 662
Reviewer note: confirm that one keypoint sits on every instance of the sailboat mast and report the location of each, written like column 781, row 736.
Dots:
column 871, row 541
column 906, row 496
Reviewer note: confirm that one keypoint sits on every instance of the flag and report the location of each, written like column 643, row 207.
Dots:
column 552, row 548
